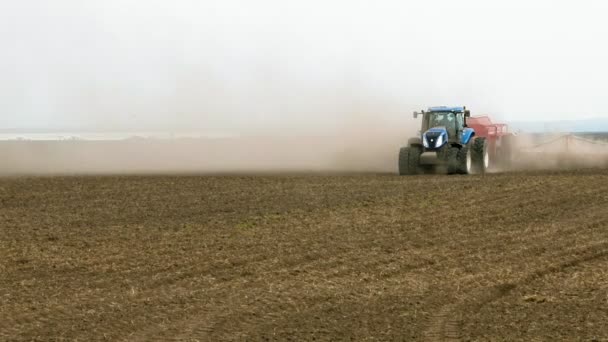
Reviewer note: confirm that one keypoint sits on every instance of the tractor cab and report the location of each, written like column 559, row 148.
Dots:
column 452, row 122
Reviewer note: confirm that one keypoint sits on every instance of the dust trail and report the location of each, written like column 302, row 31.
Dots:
column 361, row 144
column 558, row 151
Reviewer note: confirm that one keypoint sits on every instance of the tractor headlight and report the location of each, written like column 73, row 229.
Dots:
column 425, row 142
column 439, row 141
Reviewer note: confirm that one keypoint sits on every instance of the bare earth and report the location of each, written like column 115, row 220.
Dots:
column 519, row 256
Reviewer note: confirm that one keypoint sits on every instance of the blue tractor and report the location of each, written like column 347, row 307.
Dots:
column 445, row 143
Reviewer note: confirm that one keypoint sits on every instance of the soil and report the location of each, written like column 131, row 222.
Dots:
column 513, row 256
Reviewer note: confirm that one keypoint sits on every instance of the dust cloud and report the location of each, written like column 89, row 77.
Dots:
column 364, row 142
column 558, row 151
column 295, row 94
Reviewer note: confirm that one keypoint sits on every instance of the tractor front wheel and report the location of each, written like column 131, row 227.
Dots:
column 453, row 162
column 464, row 161
column 459, row 160
column 404, row 156
column 409, row 160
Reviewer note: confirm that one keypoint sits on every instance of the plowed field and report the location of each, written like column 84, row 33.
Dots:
column 514, row 256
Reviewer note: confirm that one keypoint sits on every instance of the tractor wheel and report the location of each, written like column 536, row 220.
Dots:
column 464, row 161
column 414, row 160
column 453, row 165
column 404, row 157
column 409, row 160
column 480, row 155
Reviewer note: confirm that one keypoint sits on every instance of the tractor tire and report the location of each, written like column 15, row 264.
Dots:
column 404, row 157
column 464, row 161
column 480, row 155
column 409, row 161
column 452, row 160
column 414, row 160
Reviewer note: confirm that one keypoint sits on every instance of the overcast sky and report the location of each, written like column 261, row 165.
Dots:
column 228, row 65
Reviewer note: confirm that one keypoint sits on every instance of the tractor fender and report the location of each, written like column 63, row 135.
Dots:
column 467, row 135
column 414, row 142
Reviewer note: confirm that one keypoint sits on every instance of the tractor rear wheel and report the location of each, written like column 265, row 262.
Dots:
column 480, row 155
column 464, row 161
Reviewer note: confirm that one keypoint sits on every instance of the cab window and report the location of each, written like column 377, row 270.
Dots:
column 459, row 122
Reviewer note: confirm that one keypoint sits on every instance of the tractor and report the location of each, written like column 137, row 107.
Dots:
column 453, row 141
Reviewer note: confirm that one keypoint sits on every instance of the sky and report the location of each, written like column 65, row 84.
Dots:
column 238, row 65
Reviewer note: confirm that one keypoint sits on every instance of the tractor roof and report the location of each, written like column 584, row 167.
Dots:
column 446, row 109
